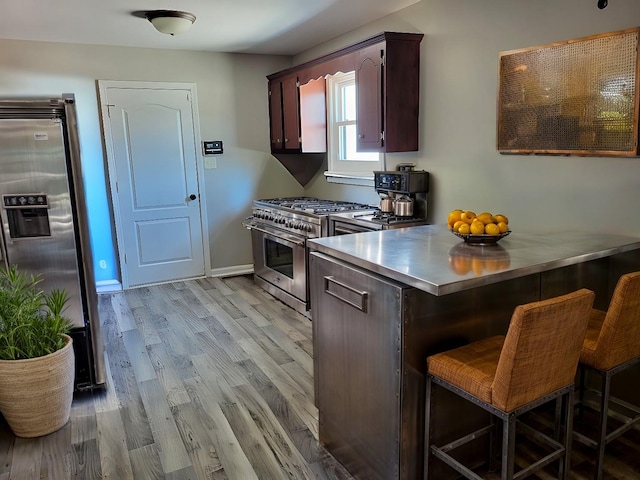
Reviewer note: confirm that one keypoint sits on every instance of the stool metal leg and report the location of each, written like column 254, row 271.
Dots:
column 427, row 421
column 602, row 435
column 565, row 461
column 508, row 446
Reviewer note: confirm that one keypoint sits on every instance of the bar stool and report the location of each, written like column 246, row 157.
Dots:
column 508, row 376
column 612, row 344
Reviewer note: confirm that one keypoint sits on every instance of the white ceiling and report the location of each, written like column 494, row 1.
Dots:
column 284, row 27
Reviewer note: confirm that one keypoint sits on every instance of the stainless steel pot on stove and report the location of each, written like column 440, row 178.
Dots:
column 403, row 206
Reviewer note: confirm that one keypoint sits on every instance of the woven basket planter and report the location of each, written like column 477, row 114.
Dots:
column 36, row 393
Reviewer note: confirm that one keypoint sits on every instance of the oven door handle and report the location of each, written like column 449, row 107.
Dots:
column 278, row 235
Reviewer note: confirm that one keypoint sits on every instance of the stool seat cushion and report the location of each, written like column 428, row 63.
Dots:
column 470, row 367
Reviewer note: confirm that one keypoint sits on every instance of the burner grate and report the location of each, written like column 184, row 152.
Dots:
column 389, row 218
column 315, row 205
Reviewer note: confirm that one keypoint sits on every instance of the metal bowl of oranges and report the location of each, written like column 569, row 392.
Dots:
column 481, row 239
column 482, row 229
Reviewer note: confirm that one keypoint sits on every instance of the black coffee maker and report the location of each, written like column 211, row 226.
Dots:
column 404, row 182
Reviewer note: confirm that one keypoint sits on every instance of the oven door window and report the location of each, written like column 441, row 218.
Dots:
column 278, row 257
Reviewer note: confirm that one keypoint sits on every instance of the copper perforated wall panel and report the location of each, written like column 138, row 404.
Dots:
column 575, row 97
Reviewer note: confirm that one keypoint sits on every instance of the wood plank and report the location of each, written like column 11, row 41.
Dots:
column 55, row 446
column 138, row 356
column 122, row 312
column 6, row 447
column 85, row 460
column 171, row 450
column 145, row 463
column 112, row 444
column 27, row 458
column 168, row 377
column 278, row 440
column 198, row 441
column 253, row 443
column 105, row 400
column 231, row 455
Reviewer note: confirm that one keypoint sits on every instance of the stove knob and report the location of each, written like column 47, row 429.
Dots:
column 298, row 225
column 308, row 228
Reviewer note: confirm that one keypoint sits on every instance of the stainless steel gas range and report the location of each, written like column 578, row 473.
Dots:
column 280, row 228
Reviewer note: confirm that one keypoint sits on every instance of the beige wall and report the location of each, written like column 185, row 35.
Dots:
column 459, row 72
column 457, row 121
column 233, row 107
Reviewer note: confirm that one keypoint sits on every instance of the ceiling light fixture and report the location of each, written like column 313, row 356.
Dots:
column 171, row 22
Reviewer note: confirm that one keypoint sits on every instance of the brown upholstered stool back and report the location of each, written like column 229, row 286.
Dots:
column 619, row 327
column 541, row 349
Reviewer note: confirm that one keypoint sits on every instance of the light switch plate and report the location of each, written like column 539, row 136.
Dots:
column 210, row 163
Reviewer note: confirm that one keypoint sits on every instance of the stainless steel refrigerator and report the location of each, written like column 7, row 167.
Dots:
column 44, row 219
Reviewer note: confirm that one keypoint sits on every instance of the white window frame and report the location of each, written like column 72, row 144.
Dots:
column 358, row 172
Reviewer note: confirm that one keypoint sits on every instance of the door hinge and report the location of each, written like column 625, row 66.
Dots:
column 125, row 258
column 382, row 135
column 382, row 57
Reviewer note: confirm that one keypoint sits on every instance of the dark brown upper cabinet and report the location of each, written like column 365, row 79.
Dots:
column 387, row 68
column 387, row 94
column 369, row 94
column 284, row 114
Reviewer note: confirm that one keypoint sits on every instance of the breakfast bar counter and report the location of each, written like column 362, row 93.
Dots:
column 381, row 302
column 425, row 257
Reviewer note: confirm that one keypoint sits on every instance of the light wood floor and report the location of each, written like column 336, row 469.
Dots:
column 208, row 379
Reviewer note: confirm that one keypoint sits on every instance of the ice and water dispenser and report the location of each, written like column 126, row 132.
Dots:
column 27, row 215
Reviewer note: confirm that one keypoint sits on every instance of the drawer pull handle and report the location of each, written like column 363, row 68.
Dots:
column 343, row 292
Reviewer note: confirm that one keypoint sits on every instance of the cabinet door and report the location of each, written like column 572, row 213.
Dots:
column 357, row 328
column 291, row 113
column 275, row 115
column 369, row 126
column 313, row 116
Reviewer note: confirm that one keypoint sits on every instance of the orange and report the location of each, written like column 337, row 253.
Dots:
column 503, row 227
column 501, row 218
column 486, row 217
column 477, row 227
column 467, row 216
column 456, row 225
column 464, row 229
column 453, row 217
column 491, row 229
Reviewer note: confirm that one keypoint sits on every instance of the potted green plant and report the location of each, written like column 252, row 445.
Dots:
column 37, row 364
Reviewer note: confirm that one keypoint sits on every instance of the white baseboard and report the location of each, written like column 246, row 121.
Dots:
column 108, row 286
column 231, row 271
column 111, row 286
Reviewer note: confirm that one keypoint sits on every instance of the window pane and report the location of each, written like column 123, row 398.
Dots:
column 349, row 93
column 348, row 146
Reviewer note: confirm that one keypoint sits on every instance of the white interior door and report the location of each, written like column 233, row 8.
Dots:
column 151, row 147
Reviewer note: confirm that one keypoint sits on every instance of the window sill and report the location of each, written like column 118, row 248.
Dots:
column 364, row 179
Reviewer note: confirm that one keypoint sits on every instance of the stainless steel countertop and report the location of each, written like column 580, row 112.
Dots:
column 432, row 259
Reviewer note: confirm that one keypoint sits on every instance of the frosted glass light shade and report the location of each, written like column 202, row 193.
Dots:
column 171, row 22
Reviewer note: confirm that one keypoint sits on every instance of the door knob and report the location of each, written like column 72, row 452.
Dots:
column 192, row 196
